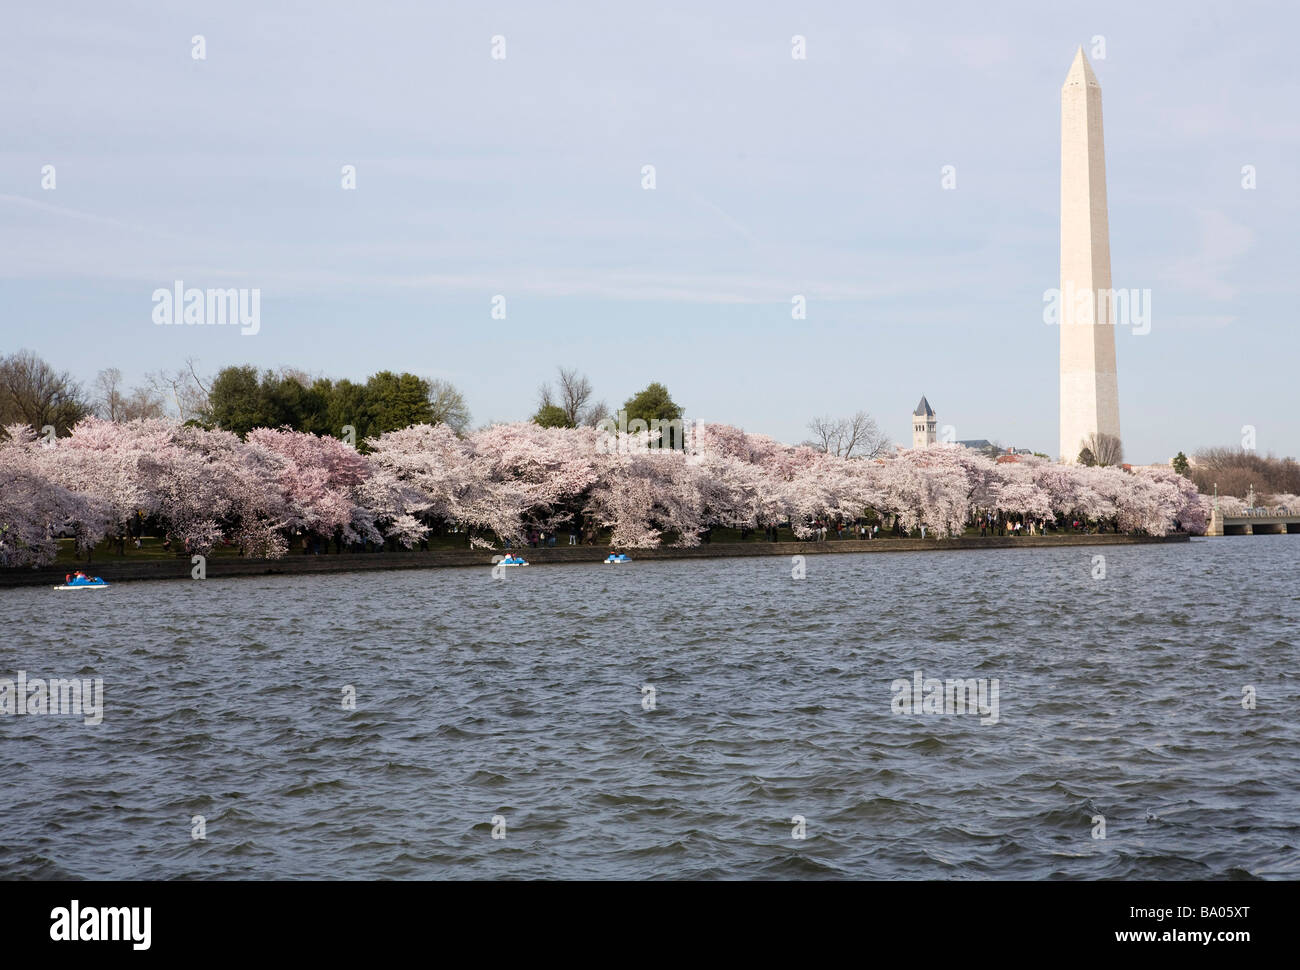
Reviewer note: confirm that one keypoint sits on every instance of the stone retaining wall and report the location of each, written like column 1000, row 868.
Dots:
column 179, row 568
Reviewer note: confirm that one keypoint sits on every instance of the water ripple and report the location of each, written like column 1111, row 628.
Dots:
column 1120, row 700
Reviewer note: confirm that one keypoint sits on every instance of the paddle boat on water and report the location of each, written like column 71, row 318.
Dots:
column 513, row 560
column 616, row 559
column 80, row 580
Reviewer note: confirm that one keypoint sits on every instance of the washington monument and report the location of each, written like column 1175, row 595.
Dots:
column 1089, row 386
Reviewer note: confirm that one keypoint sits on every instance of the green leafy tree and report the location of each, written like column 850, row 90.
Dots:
column 241, row 400
column 235, row 400
column 551, row 416
column 1181, row 465
column 395, row 401
column 347, row 406
column 289, row 399
column 651, row 403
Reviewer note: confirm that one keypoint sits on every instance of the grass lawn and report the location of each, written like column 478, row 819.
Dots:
column 150, row 548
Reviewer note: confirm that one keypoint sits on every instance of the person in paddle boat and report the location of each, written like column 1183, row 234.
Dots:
column 81, row 579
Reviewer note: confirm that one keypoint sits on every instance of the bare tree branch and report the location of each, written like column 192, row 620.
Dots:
column 573, row 397
column 34, row 393
column 844, row 437
column 1101, row 449
column 448, row 405
column 108, row 393
column 185, row 390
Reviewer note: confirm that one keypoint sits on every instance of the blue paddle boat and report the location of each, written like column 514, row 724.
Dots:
column 80, row 580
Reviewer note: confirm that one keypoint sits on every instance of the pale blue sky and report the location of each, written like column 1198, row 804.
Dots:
column 775, row 177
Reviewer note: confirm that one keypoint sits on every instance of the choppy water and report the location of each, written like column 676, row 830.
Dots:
column 522, row 698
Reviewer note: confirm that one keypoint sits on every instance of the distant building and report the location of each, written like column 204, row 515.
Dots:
column 924, row 424
column 986, row 447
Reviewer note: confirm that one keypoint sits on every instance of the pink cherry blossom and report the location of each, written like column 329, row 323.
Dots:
column 502, row 482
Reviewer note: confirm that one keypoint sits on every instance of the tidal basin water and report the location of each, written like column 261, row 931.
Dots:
column 522, row 698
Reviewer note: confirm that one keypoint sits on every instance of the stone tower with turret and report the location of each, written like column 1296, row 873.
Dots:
column 924, row 423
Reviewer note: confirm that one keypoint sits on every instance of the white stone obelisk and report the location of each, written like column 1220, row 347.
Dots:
column 1089, row 385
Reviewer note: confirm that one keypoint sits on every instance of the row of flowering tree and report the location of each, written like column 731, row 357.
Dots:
column 204, row 488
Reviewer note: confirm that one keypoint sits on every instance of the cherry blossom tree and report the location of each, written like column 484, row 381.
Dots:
column 1177, row 500
column 34, row 507
column 545, row 473
column 1286, row 500
column 206, row 487
column 452, row 484
column 927, row 486
column 643, row 493
column 1017, row 493
column 318, row 479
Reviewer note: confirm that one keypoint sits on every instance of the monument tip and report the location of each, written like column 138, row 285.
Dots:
column 1081, row 70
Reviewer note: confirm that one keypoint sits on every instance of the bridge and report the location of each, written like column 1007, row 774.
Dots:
column 1256, row 521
